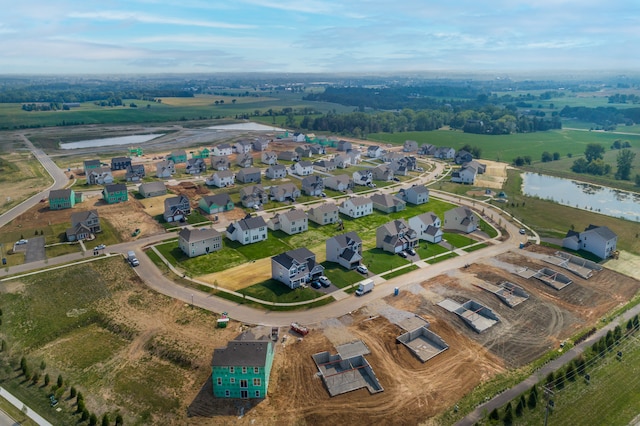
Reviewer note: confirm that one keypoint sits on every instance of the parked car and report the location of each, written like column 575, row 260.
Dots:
column 101, row 247
column 402, row 254
column 315, row 284
column 326, row 282
column 362, row 269
column 523, row 231
column 410, row 252
column 19, row 243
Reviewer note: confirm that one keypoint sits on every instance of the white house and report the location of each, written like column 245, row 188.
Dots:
column 465, row 175
column 460, row 219
column 324, row 214
column 291, row 222
column 374, row 151
column 363, row 177
column 444, row 153
column 242, row 147
column 269, row 158
column 428, row 226
column 248, row 230
column 313, row 185
column 356, row 207
column 345, row 249
column 221, row 179
column 276, row 171
column 303, row 168
column 343, row 161
column 299, row 137
column 196, row 242
column 253, row 195
column 598, row 240
column 99, row 176
column 223, row 149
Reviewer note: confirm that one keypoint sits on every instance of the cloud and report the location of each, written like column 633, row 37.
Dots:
column 153, row 19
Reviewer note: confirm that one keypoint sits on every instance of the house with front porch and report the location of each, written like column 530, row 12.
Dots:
column 356, row 207
column 276, row 171
column 460, row 219
column 221, row 179
column 176, row 208
column 396, row 236
column 196, row 242
column 84, row 225
column 363, row 177
column 313, row 186
column 598, row 240
column 241, row 370
column 115, row 193
column 340, row 183
column 253, row 195
column 345, row 249
column 387, row 203
column 428, row 226
column 248, row 230
column 291, row 222
column 217, row 203
column 220, row 162
column 295, row 267
column 324, row 214
column 99, row 176
column 284, row 192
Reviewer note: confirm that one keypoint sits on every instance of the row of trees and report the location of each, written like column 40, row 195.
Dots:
column 593, row 162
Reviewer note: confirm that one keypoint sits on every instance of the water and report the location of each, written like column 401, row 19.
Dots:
column 120, row 140
column 601, row 199
column 247, row 127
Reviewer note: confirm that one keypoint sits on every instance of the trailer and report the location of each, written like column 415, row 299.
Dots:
column 303, row 331
column 365, row 287
column 274, row 333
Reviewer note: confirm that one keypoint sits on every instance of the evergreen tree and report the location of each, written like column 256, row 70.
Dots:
column 119, row 420
column 493, row 415
column 570, row 374
column 93, row 420
column 60, row 382
column 47, row 379
column 532, row 402
column 105, row 420
column 72, row 392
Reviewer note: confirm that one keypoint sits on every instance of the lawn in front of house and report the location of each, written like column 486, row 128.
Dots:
column 274, row 291
column 379, row 261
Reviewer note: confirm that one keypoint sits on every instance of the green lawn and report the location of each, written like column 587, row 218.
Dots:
column 275, row 291
column 399, row 272
column 379, row 261
column 457, row 240
column 426, row 250
column 340, row 276
column 60, row 249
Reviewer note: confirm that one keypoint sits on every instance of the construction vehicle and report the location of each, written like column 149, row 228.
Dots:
column 365, row 287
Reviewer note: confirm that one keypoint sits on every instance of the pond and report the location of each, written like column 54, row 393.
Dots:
column 581, row 195
column 120, row 140
column 256, row 127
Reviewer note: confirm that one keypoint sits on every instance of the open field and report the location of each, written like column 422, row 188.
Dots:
column 21, row 176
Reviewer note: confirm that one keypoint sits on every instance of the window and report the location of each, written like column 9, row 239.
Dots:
column 256, row 370
column 219, row 381
column 257, row 394
column 244, row 383
column 256, row 382
column 227, row 393
column 232, row 370
column 233, row 380
column 244, row 370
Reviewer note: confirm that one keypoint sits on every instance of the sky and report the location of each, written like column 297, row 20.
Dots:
column 325, row 36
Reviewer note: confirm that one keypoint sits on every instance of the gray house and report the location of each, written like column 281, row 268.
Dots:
column 165, row 168
column 324, row 214
column 220, row 162
column 196, row 242
column 410, row 146
column 340, row 183
column 291, row 222
column 253, row 195
column 83, row 225
column 295, row 267
column 244, row 160
column 288, row 156
column 417, row 194
column 345, row 249
column 313, row 185
column 325, row 165
column 196, row 166
column 344, row 145
column 269, row 157
column 284, row 192
column 387, row 203
column 120, row 163
column 176, row 208
column 460, row 219
column 428, row 226
column 248, row 175
column 396, row 236
column 276, row 171
column 152, row 189
column 135, row 173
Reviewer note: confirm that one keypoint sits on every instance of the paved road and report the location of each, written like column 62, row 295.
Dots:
column 7, row 420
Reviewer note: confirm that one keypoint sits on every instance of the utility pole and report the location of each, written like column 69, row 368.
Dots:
column 548, row 393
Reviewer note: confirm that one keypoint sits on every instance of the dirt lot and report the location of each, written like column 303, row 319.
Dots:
column 241, row 276
column 494, row 177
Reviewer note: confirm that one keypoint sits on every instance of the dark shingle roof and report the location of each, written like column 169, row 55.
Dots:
column 242, row 353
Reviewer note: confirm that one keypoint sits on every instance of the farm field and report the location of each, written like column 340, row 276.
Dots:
column 21, row 176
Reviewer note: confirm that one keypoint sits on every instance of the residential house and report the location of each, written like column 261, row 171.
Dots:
column 220, row 162
column 396, row 236
column 248, row 230
column 203, row 153
column 374, row 151
column 355, row 156
column 291, row 222
column 344, row 146
column 389, row 156
column 317, row 149
column 276, row 171
column 244, row 160
column 242, row 147
column 120, row 163
column 363, row 177
column 83, row 225
column 254, row 195
column 288, row 156
column 248, row 175
column 269, row 157
column 402, row 166
column 178, row 157
column 165, row 169
column 60, row 199
column 428, row 226
column 115, row 193
column 313, row 185
column 90, row 165
column 299, row 137
column 303, row 151
column 261, row 144
column 382, row 172
column 242, row 369
column 444, row 153
column 465, row 175
column 417, row 194
column 196, row 242
column 410, row 146
column 480, row 168
column 222, row 150
column 460, row 219
column 340, row 183
column 387, row 203
column 345, row 249
column 196, row 166
column 343, row 161
column 284, row 192
column 324, row 214
column 356, row 207
column 221, row 179
column 152, row 189
column 302, row 168
column 176, row 208
column 325, row 165
column 135, row 173
column 427, row 149
column 599, row 240
column 217, row 203
column 463, row 156
column 99, row 176
column 295, row 267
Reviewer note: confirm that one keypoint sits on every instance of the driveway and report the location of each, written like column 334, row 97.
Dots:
column 35, row 250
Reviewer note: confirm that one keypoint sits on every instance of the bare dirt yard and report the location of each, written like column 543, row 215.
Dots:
column 240, row 276
column 127, row 217
column 494, row 177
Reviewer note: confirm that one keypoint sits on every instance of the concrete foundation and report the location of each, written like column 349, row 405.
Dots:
column 553, row 279
column 510, row 293
column 423, row 343
column 476, row 315
column 581, row 267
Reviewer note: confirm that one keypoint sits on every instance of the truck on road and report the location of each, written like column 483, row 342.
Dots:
column 132, row 259
column 365, row 287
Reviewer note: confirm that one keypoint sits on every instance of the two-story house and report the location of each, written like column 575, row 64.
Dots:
column 253, row 195
column 221, row 179
column 345, row 249
column 222, row 150
column 152, row 189
column 356, row 207
column 196, row 242
column 135, row 173
column 396, row 236
column 83, row 225
column 291, row 222
column 288, row 156
column 324, row 214
column 374, row 151
column 178, row 157
column 261, row 144
column 295, row 267
column 217, row 203
column 313, row 186
column 444, row 153
column 460, row 219
column 242, row 147
column 382, row 172
column 428, row 226
column 248, row 230
column 410, row 146
column 302, row 168
column 340, row 183
column 269, row 157
column 276, row 171
column 344, row 146
column 176, row 208
column 90, row 165
column 417, row 194
column 303, row 151
column 120, row 163
column 244, row 160
column 426, row 149
column 62, row 199
column 249, row 175
column 325, row 165
column 342, row 161
column 115, row 193
column 466, row 175
column 284, row 192
column 99, row 176
column 220, row 162
column 462, row 157
column 242, row 369
column 363, row 177
column 387, row 203
column 598, row 240
column 165, row 169
column 196, row 166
